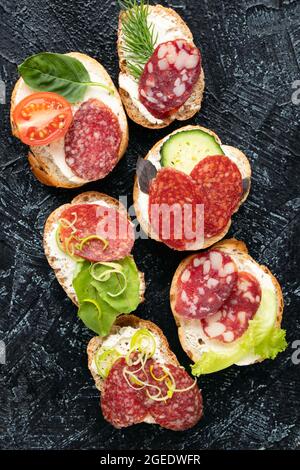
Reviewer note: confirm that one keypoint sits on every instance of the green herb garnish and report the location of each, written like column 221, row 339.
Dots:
column 139, row 37
column 58, row 73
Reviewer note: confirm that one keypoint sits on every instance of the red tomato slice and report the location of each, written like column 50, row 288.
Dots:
column 41, row 118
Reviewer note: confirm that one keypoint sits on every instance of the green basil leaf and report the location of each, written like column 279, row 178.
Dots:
column 57, row 73
column 127, row 301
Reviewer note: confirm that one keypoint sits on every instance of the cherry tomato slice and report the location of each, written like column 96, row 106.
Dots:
column 41, row 118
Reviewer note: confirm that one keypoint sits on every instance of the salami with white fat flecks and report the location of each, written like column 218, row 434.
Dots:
column 169, row 76
column 184, row 409
column 205, row 284
column 92, row 141
column 121, row 404
column 83, row 221
column 232, row 320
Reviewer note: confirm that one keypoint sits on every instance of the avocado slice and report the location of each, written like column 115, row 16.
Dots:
column 185, row 149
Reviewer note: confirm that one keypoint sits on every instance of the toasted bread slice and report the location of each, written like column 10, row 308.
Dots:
column 62, row 264
column 238, row 157
column 168, row 25
column 48, row 162
column 189, row 332
column 135, row 322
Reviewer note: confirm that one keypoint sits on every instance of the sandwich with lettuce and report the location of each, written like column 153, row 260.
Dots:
column 88, row 243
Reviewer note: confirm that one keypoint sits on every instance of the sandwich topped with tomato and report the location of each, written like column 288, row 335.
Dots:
column 88, row 243
column 67, row 109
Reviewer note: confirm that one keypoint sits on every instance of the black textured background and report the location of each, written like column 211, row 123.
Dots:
column 251, row 53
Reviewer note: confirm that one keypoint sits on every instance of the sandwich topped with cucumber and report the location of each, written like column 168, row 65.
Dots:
column 88, row 243
column 67, row 109
column 188, row 187
column 227, row 307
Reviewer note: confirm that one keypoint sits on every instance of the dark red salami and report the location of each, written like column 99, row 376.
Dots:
column 92, row 141
column 232, row 320
column 204, row 285
column 121, row 404
column 220, row 187
column 169, row 76
column 173, row 211
column 80, row 221
column 184, row 409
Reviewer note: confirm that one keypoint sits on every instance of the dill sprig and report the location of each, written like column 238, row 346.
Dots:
column 139, row 38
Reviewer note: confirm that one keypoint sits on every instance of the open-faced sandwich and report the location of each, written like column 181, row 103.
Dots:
column 88, row 244
column 140, row 379
column 188, row 187
column 228, row 308
column 67, row 109
column 161, row 76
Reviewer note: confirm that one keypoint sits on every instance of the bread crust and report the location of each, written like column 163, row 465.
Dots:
column 43, row 172
column 123, row 321
column 235, row 246
column 82, row 198
column 190, row 107
column 40, row 161
column 243, row 160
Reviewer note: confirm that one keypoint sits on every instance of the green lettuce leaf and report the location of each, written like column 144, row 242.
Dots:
column 273, row 344
column 129, row 299
column 262, row 339
column 97, row 310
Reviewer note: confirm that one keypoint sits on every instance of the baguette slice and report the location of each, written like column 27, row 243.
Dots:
column 173, row 27
column 135, row 322
column 62, row 264
column 47, row 162
column 238, row 157
column 188, row 331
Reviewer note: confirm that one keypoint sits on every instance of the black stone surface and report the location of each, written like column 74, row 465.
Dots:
column 251, row 52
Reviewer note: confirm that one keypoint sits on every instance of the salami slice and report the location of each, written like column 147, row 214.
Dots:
column 173, row 209
column 169, row 76
column 92, row 142
column 122, row 405
column 231, row 321
column 184, row 409
column 81, row 224
column 205, row 284
column 220, row 187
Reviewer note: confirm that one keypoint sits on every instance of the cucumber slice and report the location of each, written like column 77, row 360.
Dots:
column 185, row 149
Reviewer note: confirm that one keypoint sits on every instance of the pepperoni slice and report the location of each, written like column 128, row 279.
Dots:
column 122, row 405
column 184, row 409
column 233, row 318
column 92, row 142
column 220, row 187
column 205, row 284
column 80, row 221
column 169, row 76
column 173, row 211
